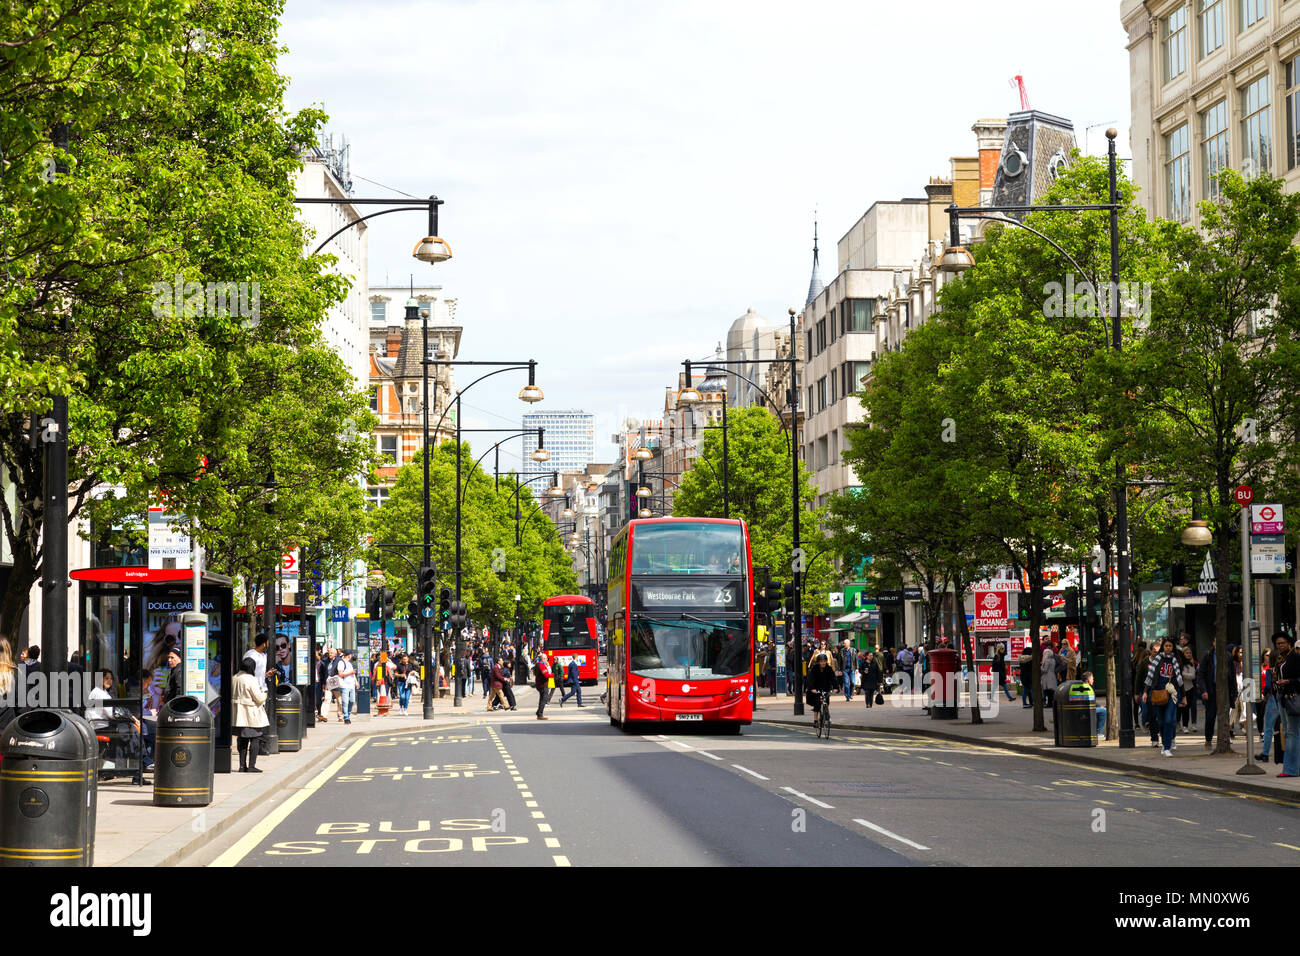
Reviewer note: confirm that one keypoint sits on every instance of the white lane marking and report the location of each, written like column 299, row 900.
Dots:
column 543, row 828
column 552, row 843
column 750, row 772
column 679, row 743
column 812, row 800
column 562, row 861
column 705, row 753
column 893, row 836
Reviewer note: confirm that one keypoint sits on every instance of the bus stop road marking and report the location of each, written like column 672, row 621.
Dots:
column 267, row 824
column 812, row 800
column 893, row 836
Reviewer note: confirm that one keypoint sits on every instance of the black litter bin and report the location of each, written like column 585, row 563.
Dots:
column 1075, row 714
column 288, row 717
column 48, row 771
column 183, row 754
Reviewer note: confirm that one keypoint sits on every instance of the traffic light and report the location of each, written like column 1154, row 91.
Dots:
column 390, row 603
column 444, row 607
column 427, row 584
column 374, row 602
column 788, row 589
column 459, row 618
column 413, row 612
column 1092, row 595
column 1071, row 596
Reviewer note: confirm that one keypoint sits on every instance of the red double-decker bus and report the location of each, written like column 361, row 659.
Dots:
column 569, row 633
column 681, row 623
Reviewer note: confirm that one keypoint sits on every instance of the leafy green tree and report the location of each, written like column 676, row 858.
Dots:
column 179, row 169
column 1220, row 368
column 758, row 484
column 493, row 569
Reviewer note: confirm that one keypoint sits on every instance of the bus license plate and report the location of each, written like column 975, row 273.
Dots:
column 690, row 716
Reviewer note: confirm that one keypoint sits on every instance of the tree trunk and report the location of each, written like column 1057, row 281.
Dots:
column 1034, row 569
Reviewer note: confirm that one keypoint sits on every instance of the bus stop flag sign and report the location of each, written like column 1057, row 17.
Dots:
column 1266, row 519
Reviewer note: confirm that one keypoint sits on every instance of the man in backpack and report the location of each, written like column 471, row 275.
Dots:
column 542, row 681
column 485, row 670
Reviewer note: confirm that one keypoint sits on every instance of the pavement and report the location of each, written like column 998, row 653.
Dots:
column 1010, row 727
column 131, row 831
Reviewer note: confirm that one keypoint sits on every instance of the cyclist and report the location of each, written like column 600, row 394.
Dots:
column 821, row 681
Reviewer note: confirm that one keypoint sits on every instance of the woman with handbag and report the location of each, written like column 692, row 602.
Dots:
column 1163, row 688
column 250, row 720
column 1287, row 688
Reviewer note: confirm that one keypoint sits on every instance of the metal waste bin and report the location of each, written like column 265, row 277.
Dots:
column 941, row 683
column 48, row 790
column 288, row 717
column 184, row 751
column 1075, row 714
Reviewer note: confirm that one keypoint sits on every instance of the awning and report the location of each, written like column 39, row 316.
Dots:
column 848, row 620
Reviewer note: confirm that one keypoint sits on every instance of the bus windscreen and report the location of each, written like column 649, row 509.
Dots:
column 688, row 650
column 567, row 627
column 688, row 548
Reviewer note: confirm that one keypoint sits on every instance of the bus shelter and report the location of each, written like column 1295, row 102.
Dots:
column 128, row 620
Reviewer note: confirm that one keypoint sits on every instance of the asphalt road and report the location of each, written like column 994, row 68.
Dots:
column 574, row 791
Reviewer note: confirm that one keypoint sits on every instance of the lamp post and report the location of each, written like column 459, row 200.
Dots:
column 689, row 395
column 957, row 259
column 530, row 394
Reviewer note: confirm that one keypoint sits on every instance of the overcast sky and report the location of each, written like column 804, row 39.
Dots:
column 623, row 179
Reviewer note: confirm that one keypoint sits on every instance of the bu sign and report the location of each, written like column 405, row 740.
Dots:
column 991, row 611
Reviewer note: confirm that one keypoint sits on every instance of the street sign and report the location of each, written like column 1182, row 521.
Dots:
column 289, row 562
column 991, row 611
column 1268, row 554
column 339, row 614
column 1244, row 495
column 1266, row 519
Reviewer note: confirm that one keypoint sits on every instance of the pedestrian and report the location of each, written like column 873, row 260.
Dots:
column 869, row 671
column 1207, row 678
column 9, row 678
column 320, row 674
column 1025, row 663
column 1163, row 687
column 1270, row 732
column 1187, row 705
column 1098, row 708
column 466, row 666
column 542, row 681
column 332, row 684
column 347, row 674
column 1238, row 717
column 1000, row 670
column 574, row 683
column 846, row 666
column 257, row 653
column 508, row 682
column 495, row 685
column 400, row 673
column 1287, row 689
column 1048, row 674
column 172, row 686
column 1142, row 662
column 248, row 696
column 485, row 669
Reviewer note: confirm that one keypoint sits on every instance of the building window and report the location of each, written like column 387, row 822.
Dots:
column 1175, row 29
column 859, row 319
column 374, row 398
column 832, row 378
column 388, row 447
column 1211, row 17
column 1252, row 11
column 379, row 312
column 860, row 371
column 1178, row 175
column 821, row 394
column 1293, row 113
column 821, row 335
column 809, row 349
column 1256, row 129
column 1214, row 146
column 376, row 498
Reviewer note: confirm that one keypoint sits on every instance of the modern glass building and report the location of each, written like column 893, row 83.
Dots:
column 570, row 438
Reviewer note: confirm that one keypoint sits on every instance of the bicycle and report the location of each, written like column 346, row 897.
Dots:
column 824, row 715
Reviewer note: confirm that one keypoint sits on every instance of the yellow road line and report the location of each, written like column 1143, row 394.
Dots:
column 562, row 861
column 1288, row 846
column 253, row 837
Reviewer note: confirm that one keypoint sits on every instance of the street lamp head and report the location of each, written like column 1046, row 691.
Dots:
column 432, row 250
column 643, row 454
column 956, row 260
column 644, row 513
column 1197, row 535
column 540, row 454
column 644, row 492
column 690, row 395
column 566, row 513
column 531, row 394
